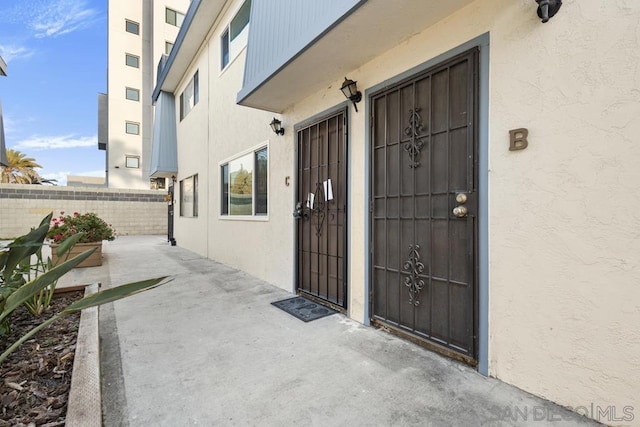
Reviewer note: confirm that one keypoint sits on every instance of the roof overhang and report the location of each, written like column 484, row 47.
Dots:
column 193, row 33
column 372, row 29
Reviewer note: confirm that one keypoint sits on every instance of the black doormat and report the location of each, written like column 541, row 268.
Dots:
column 304, row 309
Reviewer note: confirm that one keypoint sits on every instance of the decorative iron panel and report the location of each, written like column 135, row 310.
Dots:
column 321, row 210
column 423, row 161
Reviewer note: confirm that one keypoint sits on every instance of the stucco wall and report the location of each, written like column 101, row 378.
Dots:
column 563, row 222
column 214, row 131
column 130, row 212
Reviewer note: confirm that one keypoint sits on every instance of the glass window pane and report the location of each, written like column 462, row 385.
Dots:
column 132, row 161
column 132, row 27
column 132, row 61
column 195, row 195
column 133, row 94
column 240, row 20
column 167, row 47
column 179, row 19
column 133, row 128
column 186, row 197
column 262, row 166
column 196, row 88
column 224, row 205
column 241, row 186
column 170, row 16
column 225, row 48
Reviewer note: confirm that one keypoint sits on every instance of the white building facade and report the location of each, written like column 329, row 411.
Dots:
column 139, row 34
column 473, row 197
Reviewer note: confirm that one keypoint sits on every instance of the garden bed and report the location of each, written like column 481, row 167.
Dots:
column 36, row 378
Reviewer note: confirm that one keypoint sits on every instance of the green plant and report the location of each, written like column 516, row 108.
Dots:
column 18, row 285
column 94, row 228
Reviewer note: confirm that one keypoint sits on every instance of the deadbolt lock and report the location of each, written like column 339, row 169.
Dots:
column 460, row 211
column 461, row 198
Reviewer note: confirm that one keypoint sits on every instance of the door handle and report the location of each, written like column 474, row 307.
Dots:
column 460, row 211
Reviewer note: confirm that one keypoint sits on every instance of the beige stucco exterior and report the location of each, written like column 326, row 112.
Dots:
column 217, row 130
column 563, row 239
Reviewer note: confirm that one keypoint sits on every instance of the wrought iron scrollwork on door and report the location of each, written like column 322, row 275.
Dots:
column 414, row 130
column 414, row 267
column 313, row 208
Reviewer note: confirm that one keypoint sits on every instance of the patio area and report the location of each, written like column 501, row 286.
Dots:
column 208, row 348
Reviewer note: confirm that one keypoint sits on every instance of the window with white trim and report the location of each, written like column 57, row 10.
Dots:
column 174, row 17
column 132, row 60
column 167, row 47
column 189, row 197
column 132, row 27
column 132, row 94
column 132, row 128
column 244, row 184
column 235, row 36
column 189, row 98
column 132, row 161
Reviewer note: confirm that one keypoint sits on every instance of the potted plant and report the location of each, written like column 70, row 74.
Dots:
column 94, row 230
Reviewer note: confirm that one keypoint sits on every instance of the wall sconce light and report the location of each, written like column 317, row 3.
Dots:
column 173, row 178
column 276, row 125
column 350, row 90
column 548, row 8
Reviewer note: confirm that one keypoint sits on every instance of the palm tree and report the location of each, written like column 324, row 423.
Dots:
column 21, row 170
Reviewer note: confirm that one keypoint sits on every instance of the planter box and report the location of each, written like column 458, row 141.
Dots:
column 93, row 261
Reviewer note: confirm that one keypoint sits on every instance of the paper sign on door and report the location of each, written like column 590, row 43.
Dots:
column 328, row 190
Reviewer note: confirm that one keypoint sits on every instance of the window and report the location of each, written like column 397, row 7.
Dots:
column 132, row 161
column 132, row 60
column 133, row 128
column 189, row 197
column 167, row 48
column 174, row 18
column 157, row 183
column 234, row 38
column 189, row 98
column 133, row 94
column 132, row 27
column 244, row 182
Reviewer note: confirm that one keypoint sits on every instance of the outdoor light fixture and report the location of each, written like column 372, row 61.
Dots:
column 276, row 125
column 548, row 8
column 350, row 90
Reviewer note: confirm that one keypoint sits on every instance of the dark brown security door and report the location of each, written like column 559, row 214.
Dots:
column 322, row 195
column 424, row 207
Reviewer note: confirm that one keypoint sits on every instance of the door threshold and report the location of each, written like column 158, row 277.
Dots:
column 423, row 342
column 321, row 301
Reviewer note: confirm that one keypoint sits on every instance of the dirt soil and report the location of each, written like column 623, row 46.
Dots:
column 36, row 378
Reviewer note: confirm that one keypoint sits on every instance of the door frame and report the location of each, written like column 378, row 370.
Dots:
column 482, row 42
column 344, row 109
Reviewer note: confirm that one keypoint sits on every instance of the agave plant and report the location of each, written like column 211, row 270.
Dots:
column 23, row 283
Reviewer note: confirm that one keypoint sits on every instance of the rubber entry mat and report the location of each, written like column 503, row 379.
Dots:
column 303, row 308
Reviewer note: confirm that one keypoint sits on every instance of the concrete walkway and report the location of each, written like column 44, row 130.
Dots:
column 209, row 349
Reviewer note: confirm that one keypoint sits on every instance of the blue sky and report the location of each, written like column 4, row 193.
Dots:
column 56, row 54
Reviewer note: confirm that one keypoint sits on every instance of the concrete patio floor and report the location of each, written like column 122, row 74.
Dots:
column 209, row 349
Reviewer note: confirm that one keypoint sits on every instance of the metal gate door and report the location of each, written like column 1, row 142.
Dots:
column 321, row 211
column 424, row 207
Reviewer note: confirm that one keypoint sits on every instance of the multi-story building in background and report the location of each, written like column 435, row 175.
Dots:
column 139, row 34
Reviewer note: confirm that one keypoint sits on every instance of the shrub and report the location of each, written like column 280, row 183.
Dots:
column 94, row 228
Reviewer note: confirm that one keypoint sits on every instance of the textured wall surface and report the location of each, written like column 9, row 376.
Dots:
column 564, row 302
column 129, row 211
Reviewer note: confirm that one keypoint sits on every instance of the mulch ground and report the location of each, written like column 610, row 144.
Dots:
column 36, row 378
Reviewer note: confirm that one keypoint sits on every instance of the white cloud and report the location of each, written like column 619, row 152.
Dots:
column 60, row 177
column 11, row 53
column 56, row 142
column 57, row 17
